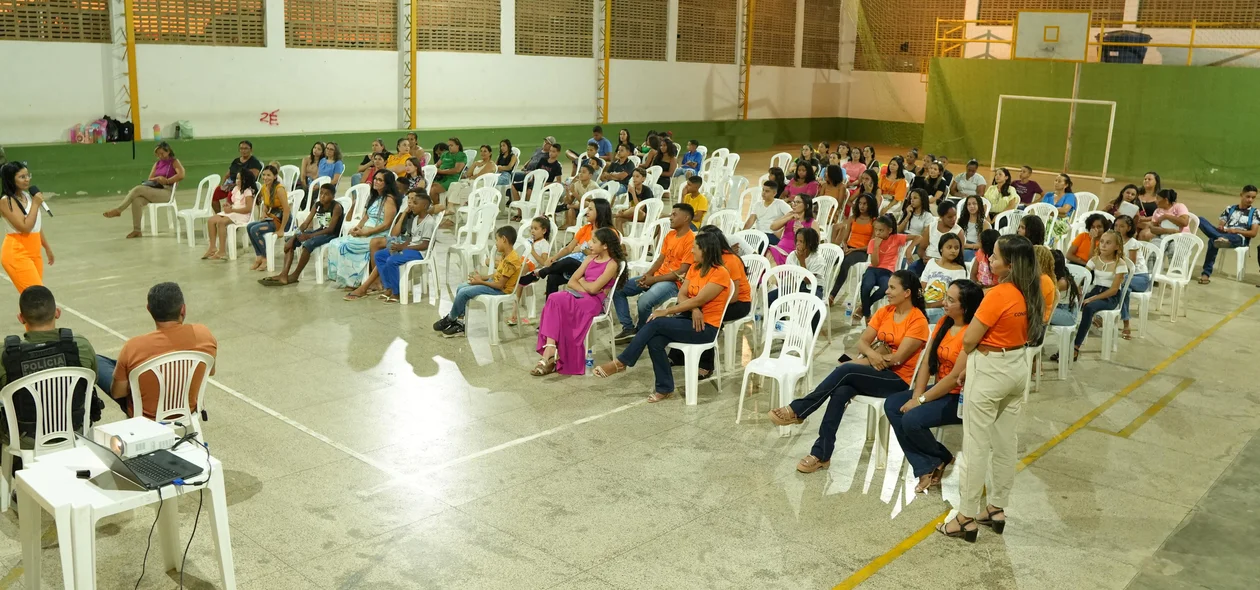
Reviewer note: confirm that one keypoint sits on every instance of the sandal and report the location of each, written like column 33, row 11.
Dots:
column 987, row 520
column 784, row 416
column 610, row 368
column 1126, row 334
column 351, row 297
column 925, row 483
column 391, row 299
column 545, row 366
column 811, row 464
column 939, row 472
column 1203, row 280
column 658, row 397
column 962, row 532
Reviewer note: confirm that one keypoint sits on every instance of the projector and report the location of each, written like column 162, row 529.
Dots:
column 133, row 437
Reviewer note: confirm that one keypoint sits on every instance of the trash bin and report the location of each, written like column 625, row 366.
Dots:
column 1124, row 54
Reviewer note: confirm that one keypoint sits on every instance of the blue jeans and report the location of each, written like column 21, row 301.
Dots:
column 314, row 242
column 105, row 381
column 1091, row 309
column 356, row 178
column 653, row 336
column 968, row 255
column 466, row 293
column 256, row 229
column 1213, row 234
column 876, row 280
column 914, row 429
column 1064, row 315
column 934, row 314
column 389, row 266
column 844, row 382
column 772, row 238
column 648, row 300
column 917, row 267
column 1141, row 284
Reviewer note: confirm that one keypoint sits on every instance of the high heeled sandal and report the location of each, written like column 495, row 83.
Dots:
column 939, row 472
column 987, row 520
column 609, row 368
column 784, row 416
column 962, row 532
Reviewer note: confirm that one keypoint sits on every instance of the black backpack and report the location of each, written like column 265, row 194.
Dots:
column 22, row 358
column 111, row 129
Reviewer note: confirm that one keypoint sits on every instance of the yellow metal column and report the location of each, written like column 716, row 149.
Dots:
column 607, row 57
column 132, row 85
column 1190, row 47
column 746, row 67
column 414, row 79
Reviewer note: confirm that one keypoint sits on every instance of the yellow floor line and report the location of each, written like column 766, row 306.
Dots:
column 901, row 548
column 1154, row 409
column 14, row 574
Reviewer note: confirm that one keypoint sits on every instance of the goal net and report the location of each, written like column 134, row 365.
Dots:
column 1054, row 135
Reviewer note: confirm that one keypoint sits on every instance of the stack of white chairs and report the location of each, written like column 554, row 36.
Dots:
column 200, row 210
column 472, row 242
column 792, row 317
column 481, row 197
column 732, row 161
column 691, row 356
column 1185, row 251
column 428, row 276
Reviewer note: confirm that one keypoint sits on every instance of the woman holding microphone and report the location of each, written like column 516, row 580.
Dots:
column 20, row 205
column 1010, row 316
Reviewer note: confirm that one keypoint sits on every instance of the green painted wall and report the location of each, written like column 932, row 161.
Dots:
column 104, row 169
column 1194, row 125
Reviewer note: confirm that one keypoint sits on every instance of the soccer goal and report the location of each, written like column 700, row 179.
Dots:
column 1071, row 130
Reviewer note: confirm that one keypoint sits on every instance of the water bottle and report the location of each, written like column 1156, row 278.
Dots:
column 960, row 405
column 848, row 309
column 590, row 361
column 778, row 326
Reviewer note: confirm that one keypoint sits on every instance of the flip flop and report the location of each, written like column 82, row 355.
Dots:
column 351, row 297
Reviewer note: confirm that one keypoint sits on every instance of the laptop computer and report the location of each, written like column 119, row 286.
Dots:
column 149, row 471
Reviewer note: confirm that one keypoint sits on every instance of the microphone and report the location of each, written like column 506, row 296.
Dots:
column 34, row 190
column 44, row 204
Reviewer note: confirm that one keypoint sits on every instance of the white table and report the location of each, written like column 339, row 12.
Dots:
column 77, row 504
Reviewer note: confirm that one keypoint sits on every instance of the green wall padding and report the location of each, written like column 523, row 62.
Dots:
column 1191, row 124
column 899, row 133
column 106, row 169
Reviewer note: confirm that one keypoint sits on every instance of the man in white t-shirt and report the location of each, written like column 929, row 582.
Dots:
column 767, row 210
column 970, row 183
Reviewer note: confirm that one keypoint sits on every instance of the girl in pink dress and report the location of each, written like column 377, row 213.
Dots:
column 567, row 315
column 801, row 215
column 236, row 211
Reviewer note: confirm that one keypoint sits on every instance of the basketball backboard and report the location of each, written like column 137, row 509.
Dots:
column 1051, row 35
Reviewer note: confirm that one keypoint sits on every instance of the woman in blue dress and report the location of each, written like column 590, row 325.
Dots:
column 349, row 256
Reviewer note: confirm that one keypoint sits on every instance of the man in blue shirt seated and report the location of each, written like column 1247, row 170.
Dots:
column 1234, row 229
column 690, row 160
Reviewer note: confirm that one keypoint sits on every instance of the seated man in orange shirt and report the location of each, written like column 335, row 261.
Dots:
column 166, row 305
column 661, row 281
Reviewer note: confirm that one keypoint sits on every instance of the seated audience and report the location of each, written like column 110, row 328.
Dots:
column 946, row 223
column 378, row 165
column 1029, row 190
column 582, row 184
column 44, row 346
column 1084, row 244
column 800, row 215
column 1148, row 197
column 805, row 255
column 237, row 212
column 310, row 163
column 910, row 162
column 484, row 165
column 981, row 269
column 945, row 173
column 1170, row 217
column 871, row 163
column 1001, row 194
column 915, row 213
column 619, row 169
column 535, row 161
column 397, row 161
column 1033, row 228
column 1069, row 293
column 570, row 258
column 660, row 282
column 567, row 315
column 1049, row 286
column 1141, row 281
column 803, row 182
column 1109, row 268
column 171, row 334
column 246, row 161
column 855, row 166
column 776, row 174
column 666, row 158
column 322, row 225
column 1128, row 194
column 932, row 183
column 807, row 158
column 739, row 307
column 893, row 185
column 1062, row 196
column 414, row 178
column 157, row 189
column 505, row 163
column 832, row 185
column 885, row 252
column 1233, row 229
column 349, row 256
column 636, row 192
column 695, row 319
column 940, row 273
column 970, row 183
column 698, row 202
column 854, row 236
column 914, row 413
column 331, row 165
column 450, row 167
column 691, row 160
column 409, row 241
column 378, row 147
column 417, row 150
column 890, row 345
column 972, row 221
column 590, row 158
column 537, row 255
column 502, row 282
column 868, row 183
column 764, row 213
column 275, row 215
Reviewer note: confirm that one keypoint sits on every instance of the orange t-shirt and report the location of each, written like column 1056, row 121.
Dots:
column 735, row 267
column 1083, row 246
column 860, row 234
column 713, row 309
column 1049, row 292
column 194, row 337
column 947, row 353
column 676, row 251
column 896, row 188
column 1004, row 311
column 585, row 233
column 892, row 333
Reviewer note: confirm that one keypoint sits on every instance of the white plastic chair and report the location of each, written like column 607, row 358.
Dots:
column 833, row 256
column 495, row 303
column 747, row 197
column 878, row 428
column 735, row 188
column 755, row 266
column 637, row 161
column 786, row 279
column 1047, row 212
column 171, row 208
column 649, row 210
column 1110, row 317
column 637, row 249
column 1185, row 250
column 430, row 173
column 793, row 315
column 200, row 210
column 1007, row 222
column 726, row 220
column 753, row 239
column 828, row 207
column 1240, row 260
column 1063, row 335
column 237, row 229
column 691, row 356
column 175, row 373
column 721, row 153
column 534, row 182
column 428, row 275
column 653, row 175
column 1154, row 262
column 732, row 160
column 781, row 160
column 607, row 316
column 472, row 245
column 52, row 394
column 1086, row 203
column 551, row 195
column 351, row 213
column 289, row 176
column 481, row 197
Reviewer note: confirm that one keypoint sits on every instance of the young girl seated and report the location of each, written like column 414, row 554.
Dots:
column 567, row 261
column 573, row 194
column 1069, row 297
column 536, row 257
column 980, row 271
column 1141, row 281
column 636, row 191
column 801, row 215
column 567, row 315
column 940, row 273
column 1033, row 228
column 1109, row 268
column 410, row 238
column 1084, row 244
column 321, row 226
column 914, row 413
column 502, row 282
column 971, row 220
column 884, row 250
column 235, row 212
column 854, row 236
column 806, row 254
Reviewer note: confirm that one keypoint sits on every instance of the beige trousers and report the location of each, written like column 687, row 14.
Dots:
column 992, row 399
column 145, row 195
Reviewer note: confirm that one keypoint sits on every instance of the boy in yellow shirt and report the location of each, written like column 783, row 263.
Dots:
column 502, row 282
column 698, row 202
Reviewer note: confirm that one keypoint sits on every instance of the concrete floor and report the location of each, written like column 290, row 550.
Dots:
column 363, row 451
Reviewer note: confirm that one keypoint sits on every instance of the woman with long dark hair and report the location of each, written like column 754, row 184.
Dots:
column 971, row 220
column 705, row 289
column 854, row 235
column 236, row 211
column 893, row 185
column 275, row 212
column 1009, row 317
column 166, row 171
column 349, row 256
column 801, row 215
column 1033, row 228
column 569, row 259
column 739, row 307
column 931, row 181
column 804, row 182
column 890, row 346
column 20, row 204
column 1000, row 194
column 567, row 315
column 914, row 413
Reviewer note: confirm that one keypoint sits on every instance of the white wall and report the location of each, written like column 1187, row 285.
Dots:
column 51, row 86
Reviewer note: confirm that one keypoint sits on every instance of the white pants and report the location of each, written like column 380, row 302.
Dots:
column 992, row 400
